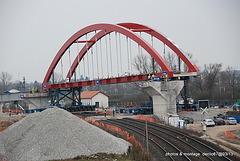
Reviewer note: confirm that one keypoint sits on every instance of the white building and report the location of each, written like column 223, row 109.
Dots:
column 97, row 98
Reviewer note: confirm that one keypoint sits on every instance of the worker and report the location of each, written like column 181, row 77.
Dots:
column 96, row 112
column 153, row 77
column 16, row 112
column 166, row 78
column 105, row 113
column 10, row 112
column 113, row 113
column 149, row 77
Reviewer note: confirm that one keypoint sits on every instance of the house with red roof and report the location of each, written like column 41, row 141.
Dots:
column 97, row 98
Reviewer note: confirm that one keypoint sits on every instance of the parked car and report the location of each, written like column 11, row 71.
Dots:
column 208, row 122
column 219, row 121
column 231, row 121
column 188, row 120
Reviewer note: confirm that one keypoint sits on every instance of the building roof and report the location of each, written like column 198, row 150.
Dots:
column 91, row 94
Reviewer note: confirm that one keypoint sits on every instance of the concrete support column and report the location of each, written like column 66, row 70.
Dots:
column 164, row 96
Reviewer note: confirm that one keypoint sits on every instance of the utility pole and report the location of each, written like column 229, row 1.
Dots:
column 233, row 84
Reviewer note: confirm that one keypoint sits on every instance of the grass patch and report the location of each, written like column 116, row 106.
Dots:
column 135, row 154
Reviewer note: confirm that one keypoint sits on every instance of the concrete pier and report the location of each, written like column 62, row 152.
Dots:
column 33, row 100
column 164, row 96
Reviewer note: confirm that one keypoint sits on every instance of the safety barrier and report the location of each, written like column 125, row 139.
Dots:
column 229, row 135
column 2, row 128
column 124, row 134
column 80, row 117
column 13, row 111
column 144, row 118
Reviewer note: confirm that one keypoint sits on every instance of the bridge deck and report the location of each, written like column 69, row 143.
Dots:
column 132, row 78
column 20, row 96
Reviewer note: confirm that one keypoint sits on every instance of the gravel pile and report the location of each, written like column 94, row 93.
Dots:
column 56, row 134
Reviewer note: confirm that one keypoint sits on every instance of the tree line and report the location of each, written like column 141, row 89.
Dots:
column 213, row 83
column 216, row 84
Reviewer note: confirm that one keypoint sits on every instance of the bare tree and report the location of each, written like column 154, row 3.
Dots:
column 190, row 57
column 172, row 61
column 230, row 78
column 198, row 84
column 210, row 74
column 57, row 78
column 5, row 79
column 157, row 68
column 141, row 64
column 176, row 64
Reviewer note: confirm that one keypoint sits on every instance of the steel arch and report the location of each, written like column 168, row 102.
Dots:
column 107, row 28
column 135, row 28
column 128, row 33
column 127, row 29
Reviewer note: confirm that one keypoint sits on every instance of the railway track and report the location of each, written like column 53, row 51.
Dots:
column 166, row 143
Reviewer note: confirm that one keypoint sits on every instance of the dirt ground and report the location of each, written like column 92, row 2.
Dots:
column 216, row 135
column 13, row 118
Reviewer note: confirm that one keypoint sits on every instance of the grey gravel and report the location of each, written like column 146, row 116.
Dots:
column 56, row 134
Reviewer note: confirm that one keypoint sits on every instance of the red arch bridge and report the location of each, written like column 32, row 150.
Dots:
column 113, row 53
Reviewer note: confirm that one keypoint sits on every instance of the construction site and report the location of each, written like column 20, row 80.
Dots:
column 56, row 134
column 118, row 91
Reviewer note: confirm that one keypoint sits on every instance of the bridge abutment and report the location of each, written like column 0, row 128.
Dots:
column 164, row 96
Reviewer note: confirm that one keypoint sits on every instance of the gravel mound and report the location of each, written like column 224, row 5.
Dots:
column 56, row 134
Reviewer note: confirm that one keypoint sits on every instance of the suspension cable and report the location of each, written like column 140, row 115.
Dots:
column 140, row 63
column 152, row 40
column 78, row 60
column 153, row 63
column 92, row 62
column 96, row 54
column 101, row 56
column 164, row 52
column 62, row 70
column 110, row 53
column 141, row 56
column 70, row 63
column 130, row 50
column 87, row 55
column 106, row 53
column 117, row 53
column 120, row 54
column 127, row 54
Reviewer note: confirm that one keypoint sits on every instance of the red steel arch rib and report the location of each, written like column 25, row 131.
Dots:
column 141, row 28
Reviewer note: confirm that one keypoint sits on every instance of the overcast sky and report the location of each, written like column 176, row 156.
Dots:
column 32, row 31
